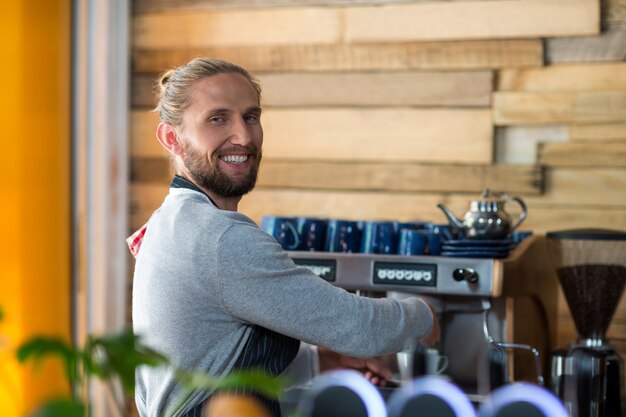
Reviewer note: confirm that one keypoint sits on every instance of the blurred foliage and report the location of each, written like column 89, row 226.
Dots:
column 115, row 357
column 118, row 356
column 40, row 347
column 107, row 357
column 61, row 407
column 254, row 379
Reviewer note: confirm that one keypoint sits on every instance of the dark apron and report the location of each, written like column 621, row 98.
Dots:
column 266, row 350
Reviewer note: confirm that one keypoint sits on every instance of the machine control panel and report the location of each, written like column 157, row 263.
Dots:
column 413, row 274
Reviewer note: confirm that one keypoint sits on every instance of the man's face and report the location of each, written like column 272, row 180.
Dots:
column 222, row 135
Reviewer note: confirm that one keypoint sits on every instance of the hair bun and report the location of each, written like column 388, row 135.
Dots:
column 165, row 79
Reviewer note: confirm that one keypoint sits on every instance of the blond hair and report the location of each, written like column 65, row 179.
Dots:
column 174, row 86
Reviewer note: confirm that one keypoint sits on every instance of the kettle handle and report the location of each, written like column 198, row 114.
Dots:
column 521, row 216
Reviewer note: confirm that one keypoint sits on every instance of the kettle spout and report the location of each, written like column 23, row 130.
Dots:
column 452, row 219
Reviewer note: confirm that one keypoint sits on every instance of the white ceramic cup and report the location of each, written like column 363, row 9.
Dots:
column 435, row 363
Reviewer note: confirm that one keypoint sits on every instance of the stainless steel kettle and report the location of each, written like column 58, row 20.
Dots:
column 486, row 218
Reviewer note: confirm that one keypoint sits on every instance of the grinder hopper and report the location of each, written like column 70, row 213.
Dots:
column 591, row 266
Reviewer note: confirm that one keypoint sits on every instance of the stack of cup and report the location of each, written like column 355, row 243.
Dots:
column 318, row 234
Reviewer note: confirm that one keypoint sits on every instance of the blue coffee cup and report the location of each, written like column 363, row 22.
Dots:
column 436, row 236
column 283, row 229
column 343, row 236
column 378, row 237
column 412, row 225
column 444, row 231
column 412, row 242
column 434, row 243
column 312, row 233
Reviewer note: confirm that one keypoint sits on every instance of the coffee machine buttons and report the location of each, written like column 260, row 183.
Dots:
column 416, row 274
column 465, row 274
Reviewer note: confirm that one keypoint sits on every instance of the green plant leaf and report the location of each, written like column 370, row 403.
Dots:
column 252, row 379
column 119, row 355
column 41, row 347
column 60, row 407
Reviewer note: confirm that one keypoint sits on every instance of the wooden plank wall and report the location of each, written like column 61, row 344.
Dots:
column 380, row 109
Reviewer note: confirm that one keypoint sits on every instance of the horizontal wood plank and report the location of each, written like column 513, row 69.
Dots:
column 573, row 77
column 434, row 89
column 143, row 135
column 143, row 90
column 371, row 176
column 487, row 54
column 143, row 200
column 583, row 154
column 472, row 20
column 470, row 88
column 610, row 45
column 600, row 132
column 400, row 177
column 382, row 205
column 143, row 6
column 515, row 108
column 237, row 27
column 560, row 217
column 377, row 134
column 587, row 186
column 151, row 170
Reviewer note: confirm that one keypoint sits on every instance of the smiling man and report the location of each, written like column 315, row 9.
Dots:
column 214, row 292
column 217, row 143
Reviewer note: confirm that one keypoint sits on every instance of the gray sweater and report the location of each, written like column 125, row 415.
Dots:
column 204, row 276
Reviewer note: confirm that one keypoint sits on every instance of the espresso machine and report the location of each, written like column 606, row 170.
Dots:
column 509, row 303
column 588, row 375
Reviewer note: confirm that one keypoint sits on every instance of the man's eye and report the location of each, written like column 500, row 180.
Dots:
column 251, row 118
column 217, row 119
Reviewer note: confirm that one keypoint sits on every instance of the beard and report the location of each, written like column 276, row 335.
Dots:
column 208, row 175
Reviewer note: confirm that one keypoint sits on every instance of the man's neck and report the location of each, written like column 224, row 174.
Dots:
column 223, row 203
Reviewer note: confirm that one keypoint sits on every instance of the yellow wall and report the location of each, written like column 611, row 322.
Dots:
column 35, row 210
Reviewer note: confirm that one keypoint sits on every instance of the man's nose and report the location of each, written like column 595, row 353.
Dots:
column 241, row 133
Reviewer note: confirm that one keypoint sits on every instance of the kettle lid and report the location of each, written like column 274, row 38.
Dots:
column 488, row 195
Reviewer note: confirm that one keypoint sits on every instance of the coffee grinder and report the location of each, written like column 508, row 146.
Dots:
column 591, row 267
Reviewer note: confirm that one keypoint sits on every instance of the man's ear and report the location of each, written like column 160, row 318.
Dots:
column 169, row 139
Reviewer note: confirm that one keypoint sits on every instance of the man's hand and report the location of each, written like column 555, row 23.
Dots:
column 374, row 369
column 435, row 334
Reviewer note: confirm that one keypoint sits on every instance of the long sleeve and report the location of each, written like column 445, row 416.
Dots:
column 260, row 284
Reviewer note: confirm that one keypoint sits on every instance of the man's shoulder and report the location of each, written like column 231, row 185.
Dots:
column 196, row 209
